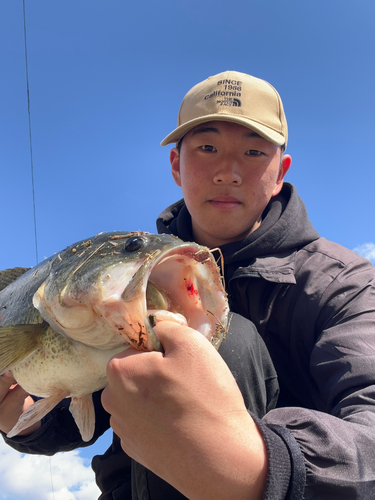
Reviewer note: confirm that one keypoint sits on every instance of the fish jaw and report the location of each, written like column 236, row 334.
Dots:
column 73, row 313
column 106, row 303
column 188, row 281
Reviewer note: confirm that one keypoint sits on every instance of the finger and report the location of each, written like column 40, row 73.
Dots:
column 18, row 393
column 121, row 365
column 162, row 315
column 7, row 378
column 6, row 382
column 8, row 373
column 14, row 394
column 12, row 403
column 127, row 363
column 131, row 351
column 174, row 336
column 122, row 372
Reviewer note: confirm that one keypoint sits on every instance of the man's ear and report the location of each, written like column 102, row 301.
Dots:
column 285, row 163
column 174, row 158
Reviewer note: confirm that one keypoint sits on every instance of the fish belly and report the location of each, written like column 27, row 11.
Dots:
column 64, row 364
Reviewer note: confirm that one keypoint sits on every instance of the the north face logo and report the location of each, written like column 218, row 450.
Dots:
column 229, row 101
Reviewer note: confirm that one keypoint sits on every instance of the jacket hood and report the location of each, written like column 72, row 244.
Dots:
column 285, row 227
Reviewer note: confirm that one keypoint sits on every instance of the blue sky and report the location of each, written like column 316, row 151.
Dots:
column 106, row 81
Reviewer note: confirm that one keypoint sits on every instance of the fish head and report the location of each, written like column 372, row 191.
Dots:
column 110, row 290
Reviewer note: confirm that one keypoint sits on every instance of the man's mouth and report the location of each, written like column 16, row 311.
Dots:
column 224, row 202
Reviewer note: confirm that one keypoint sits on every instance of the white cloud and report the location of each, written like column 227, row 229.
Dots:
column 367, row 250
column 29, row 476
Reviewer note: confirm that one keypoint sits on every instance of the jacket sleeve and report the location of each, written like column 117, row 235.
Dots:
column 332, row 346
column 59, row 431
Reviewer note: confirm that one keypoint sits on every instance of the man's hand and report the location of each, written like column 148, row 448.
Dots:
column 181, row 415
column 13, row 402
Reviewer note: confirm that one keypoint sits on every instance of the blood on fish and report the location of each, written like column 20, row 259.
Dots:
column 191, row 288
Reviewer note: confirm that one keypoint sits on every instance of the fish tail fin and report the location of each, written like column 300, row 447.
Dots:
column 36, row 412
column 17, row 342
column 82, row 409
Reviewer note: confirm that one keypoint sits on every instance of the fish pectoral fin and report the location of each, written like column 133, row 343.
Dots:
column 17, row 342
column 82, row 409
column 36, row 412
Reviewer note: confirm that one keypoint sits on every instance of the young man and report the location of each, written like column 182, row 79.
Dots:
column 312, row 301
column 180, row 415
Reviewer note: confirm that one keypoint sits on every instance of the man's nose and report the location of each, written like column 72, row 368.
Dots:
column 228, row 173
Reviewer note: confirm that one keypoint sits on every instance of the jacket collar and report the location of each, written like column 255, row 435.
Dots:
column 278, row 268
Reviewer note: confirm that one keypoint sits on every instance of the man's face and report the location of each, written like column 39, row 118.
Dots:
column 228, row 174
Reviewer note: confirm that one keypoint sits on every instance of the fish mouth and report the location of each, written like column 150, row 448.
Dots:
column 181, row 285
column 117, row 299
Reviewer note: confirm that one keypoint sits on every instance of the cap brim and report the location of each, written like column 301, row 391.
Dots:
column 266, row 132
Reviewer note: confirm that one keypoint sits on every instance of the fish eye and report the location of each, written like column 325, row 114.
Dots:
column 134, row 244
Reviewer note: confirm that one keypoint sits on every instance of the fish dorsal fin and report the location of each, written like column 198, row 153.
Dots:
column 82, row 409
column 36, row 412
column 7, row 276
column 17, row 342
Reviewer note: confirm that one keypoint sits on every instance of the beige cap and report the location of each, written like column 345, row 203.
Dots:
column 233, row 97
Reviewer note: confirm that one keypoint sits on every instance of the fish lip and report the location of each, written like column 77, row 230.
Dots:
column 147, row 339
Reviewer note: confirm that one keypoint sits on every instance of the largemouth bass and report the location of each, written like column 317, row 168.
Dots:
column 62, row 321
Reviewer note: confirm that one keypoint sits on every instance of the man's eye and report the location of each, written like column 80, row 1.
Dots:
column 253, row 152
column 207, row 147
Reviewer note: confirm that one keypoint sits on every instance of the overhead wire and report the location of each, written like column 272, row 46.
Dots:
column 30, row 137
column 32, row 178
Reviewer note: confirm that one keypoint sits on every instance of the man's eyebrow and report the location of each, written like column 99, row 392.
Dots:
column 203, row 130
column 214, row 130
column 253, row 134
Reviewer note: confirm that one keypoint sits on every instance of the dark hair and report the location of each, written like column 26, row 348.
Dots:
column 178, row 145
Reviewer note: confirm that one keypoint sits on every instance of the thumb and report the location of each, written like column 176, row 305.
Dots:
column 172, row 335
column 7, row 378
